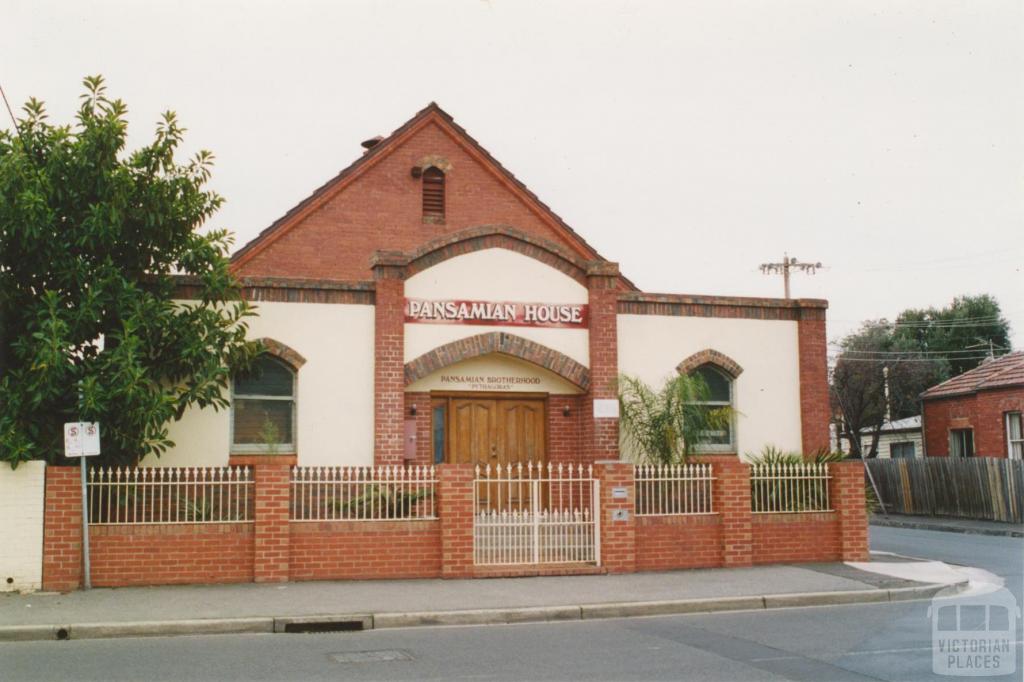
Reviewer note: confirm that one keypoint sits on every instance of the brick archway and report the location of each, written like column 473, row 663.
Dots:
column 709, row 356
column 498, row 342
column 282, row 352
column 496, row 236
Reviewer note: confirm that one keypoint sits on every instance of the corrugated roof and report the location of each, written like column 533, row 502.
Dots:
column 907, row 424
column 1002, row 372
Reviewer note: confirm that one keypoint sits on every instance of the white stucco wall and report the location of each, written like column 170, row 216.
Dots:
column 495, row 275
column 886, row 439
column 21, row 526
column 335, row 389
column 766, row 394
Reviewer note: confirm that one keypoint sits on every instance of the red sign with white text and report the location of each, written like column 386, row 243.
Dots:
column 563, row 315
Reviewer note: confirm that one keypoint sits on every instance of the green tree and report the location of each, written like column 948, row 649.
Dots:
column 664, row 427
column 962, row 332
column 91, row 240
column 870, row 358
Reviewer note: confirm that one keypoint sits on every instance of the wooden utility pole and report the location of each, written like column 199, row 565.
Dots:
column 785, row 266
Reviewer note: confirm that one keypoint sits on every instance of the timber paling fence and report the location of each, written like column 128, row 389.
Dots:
column 989, row 488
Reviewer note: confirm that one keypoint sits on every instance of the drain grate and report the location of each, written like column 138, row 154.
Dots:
column 378, row 656
column 335, row 622
column 326, row 626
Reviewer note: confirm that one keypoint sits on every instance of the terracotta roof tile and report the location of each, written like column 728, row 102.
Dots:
column 1002, row 372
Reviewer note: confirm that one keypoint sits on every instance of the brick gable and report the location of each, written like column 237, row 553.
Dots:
column 376, row 204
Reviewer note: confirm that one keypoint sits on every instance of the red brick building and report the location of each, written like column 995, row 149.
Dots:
column 977, row 413
column 424, row 306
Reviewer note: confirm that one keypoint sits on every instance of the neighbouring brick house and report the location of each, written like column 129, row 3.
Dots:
column 977, row 413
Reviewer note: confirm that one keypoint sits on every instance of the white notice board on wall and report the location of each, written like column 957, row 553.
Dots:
column 606, row 409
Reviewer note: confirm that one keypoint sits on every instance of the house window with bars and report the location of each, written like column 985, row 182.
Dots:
column 433, row 195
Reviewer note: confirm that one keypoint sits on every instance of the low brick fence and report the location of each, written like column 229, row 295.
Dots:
column 686, row 518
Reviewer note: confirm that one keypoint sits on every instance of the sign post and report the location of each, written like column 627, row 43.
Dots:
column 82, row 439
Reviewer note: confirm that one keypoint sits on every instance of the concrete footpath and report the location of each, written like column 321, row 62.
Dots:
column 358, row 605
column 949, row 525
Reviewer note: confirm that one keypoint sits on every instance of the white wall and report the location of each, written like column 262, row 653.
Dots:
column 21, row 526
column 495, row 275
column 766, row 394
column 886, row 438
column 335, row 389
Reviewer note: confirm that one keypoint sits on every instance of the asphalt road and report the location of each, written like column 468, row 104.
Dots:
column 860, row 642
column 1000, row 555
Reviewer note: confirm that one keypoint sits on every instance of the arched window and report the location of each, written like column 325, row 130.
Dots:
column 433, row 195
column 720, row 438
column 263, row 408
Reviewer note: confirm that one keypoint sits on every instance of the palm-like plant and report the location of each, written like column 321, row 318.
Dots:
column 664, row 427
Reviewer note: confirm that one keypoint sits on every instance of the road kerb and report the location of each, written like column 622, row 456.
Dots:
column 781, row 601
column 30, row 633
column 167, row 628
column 498, row 616
column 925, row 591
column 670, row 607
column 495, row 616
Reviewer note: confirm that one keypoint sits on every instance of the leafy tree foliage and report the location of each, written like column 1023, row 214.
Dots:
column 665, row 426
column 923, row 348
column 91, row 241
column 969, row 324
column 858, row 381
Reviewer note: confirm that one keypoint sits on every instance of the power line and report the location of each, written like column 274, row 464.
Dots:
column 877, row 360
column 967, row 351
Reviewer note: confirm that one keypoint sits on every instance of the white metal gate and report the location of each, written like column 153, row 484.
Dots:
column 536, row 514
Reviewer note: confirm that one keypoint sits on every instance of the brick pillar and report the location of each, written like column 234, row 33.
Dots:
column 62, row 529
column 846, row 493
column 455, row 507
column 732, row 501
column 389, row 354
column 601, row 434
column 618, row 536
column 814, row 396
column 272, row 531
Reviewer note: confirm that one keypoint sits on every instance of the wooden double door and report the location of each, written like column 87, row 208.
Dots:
column 493, row 430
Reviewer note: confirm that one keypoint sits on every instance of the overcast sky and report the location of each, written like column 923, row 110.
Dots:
column 689, row 141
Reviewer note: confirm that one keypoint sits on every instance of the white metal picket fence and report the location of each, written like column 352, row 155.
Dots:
column 787, row 488
column 152, row 495
column 383, row 493
column 666, row 490
column 536, row 514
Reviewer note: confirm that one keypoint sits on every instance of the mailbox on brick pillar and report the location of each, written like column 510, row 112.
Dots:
column 601, row 416
column 617, row 517
column 389, row 357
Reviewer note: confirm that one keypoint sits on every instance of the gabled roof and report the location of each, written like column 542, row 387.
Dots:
column 381, row 150
column 1003, row 372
